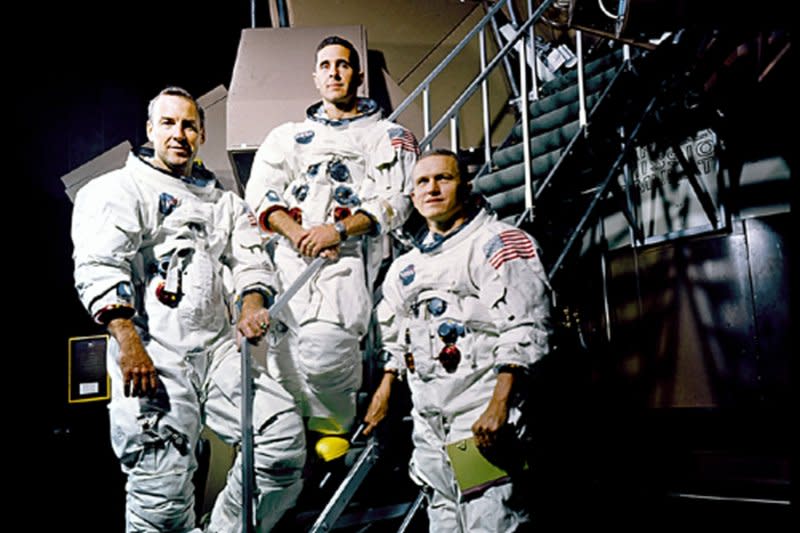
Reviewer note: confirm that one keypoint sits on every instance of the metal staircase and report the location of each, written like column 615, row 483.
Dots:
column 572, row 166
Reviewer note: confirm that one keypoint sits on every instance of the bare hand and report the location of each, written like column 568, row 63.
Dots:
column 331, row 254
column 253, row 320
column 379, row 406
column 487, row 427
column 139, row 375
column 317, row 239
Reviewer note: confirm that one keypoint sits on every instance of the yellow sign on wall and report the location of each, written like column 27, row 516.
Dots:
column 88, row 379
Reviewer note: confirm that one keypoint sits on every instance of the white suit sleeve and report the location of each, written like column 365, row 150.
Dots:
column 512, row 284
column 389, row 311
column 271, row 173
column 391, row 163
column 251, row 265
column 107, row 231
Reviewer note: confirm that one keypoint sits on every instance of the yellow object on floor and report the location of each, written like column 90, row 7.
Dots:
column 330, row 448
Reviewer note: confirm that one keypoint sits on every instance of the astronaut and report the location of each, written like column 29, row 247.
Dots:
column 343, row 172
column 463, row 318
column 152, row 242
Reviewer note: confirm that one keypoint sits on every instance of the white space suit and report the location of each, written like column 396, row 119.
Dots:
column 324, row 170
column 481, row 290
column 158, row 244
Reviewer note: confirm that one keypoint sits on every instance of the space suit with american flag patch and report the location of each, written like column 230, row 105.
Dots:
column 155, row 247
column 320, row 171
column 455, row 310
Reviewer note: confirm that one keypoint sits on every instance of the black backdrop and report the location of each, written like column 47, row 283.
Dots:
column 78, row 82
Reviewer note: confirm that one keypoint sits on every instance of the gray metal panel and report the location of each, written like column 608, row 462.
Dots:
column 769, row 257
column 107, row 161
column 272, row 82
column 694, row 342
column 213, row 152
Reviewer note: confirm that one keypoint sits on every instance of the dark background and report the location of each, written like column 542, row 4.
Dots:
column 78, row 82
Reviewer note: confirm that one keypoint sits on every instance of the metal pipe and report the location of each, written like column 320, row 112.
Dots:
column 283, row 14
column 532, row 40
column 248, row 457
column 412, row 510
column 736, row 499
column 630, row 211
column 252, row 13
column 506, row 63
column 606, row 304
column 473, row 86
column 526, row 127
column 426, row 112
column 546, row 182
column 327, row 518
column 581, row 89
column 248, row 452
column 454, row 134
column 601, row 191
column 446, row 61
column 487, row 135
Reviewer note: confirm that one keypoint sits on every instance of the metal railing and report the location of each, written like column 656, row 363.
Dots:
column 450, row 116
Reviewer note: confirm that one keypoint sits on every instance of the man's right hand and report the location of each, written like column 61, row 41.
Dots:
column 379, row 406
column 139, row 374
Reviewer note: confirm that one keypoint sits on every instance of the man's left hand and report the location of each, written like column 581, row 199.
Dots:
column 488, row 425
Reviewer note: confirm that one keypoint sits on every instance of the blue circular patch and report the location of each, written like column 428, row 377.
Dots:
column 300, row 192
column 338, row 171
column 407, row 275
column 304, row 137
column 343, row 194
column 449, row 331
column 437, row 306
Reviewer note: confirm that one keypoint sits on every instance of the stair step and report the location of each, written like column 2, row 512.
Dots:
column 512, row 176
column 569, row 94
column 541, row 144
column 554, row 119
column 590, row 69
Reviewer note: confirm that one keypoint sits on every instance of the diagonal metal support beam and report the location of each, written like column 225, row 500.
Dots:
column 700, row 190
column 347, row 489
column 412, row 510
column 601, row 191
column 248, row 451
column 624, row 206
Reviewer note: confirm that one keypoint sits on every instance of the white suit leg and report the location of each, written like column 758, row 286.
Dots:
column 282, row 364
column 490, row 512
column 154, row 439
column 430, row 466
column 329, row 359
column 279, row 450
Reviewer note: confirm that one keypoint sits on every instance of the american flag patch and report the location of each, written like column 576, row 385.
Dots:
column 404, row 140
column 251, row 218
column 508, row 245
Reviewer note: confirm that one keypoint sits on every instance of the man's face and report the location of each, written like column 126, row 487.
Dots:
column 436, row 188
column 334, row 77
column 175, row 131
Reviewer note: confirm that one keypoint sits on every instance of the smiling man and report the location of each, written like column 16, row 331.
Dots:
column 464, row 316
column 342, row 173
column 151, row 243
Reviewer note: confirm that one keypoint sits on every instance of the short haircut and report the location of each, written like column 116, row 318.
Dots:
column 355, row 62
column 462, row 166
column 176, row 91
